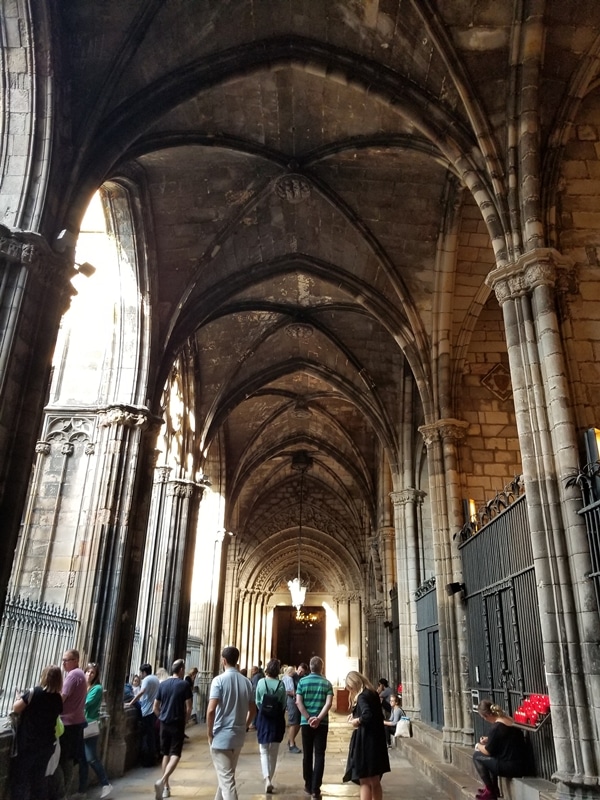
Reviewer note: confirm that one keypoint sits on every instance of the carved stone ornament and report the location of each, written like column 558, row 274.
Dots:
column 293, row 188
column 183, row 489
column 541, row 267
column 43, row 448
column 30, row 249
column 162, row 474
column 299, row 330
column 497, row 381
column 444, row 429
column 406, row 496
column 128, row 416
column 425, row 588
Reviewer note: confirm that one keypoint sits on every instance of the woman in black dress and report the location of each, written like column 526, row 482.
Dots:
column 502, row 752
column 367, row 754
column 38, row 710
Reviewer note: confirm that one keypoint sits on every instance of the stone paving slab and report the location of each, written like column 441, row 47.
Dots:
column 195, row 776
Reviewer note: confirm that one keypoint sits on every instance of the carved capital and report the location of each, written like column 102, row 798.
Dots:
column 67, row 449
column 181, row 488
column 541, row 267
column 406, row 496
column 129, row 417
column 444, row 429
column 43, row 448
column 162, row 474
column 31, row 250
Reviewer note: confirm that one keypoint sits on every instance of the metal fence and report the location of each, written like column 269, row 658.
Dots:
column 430, row 672
column 591, row 515
column 506, row 654
column 32, row 635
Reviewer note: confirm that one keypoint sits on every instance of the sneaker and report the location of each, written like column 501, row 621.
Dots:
column 294, row 749
column 166, row 792
column 159, row 787
column 316, row 796
column 106, row 790
column 307, row 790
column 268, row 786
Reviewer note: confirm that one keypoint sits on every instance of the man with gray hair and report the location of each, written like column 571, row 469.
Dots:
column 230, row 707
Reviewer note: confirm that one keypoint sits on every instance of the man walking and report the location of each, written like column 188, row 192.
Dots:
column 146, row 697
column 314, row 696
column 74, row 692
column 230, row 707
column 173, row 707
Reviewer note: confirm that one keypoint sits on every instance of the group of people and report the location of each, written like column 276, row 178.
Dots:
column 57, row 713
column 234, row 702
column 55, row 716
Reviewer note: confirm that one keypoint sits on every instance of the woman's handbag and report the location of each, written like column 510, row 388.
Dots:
column 403, row 729
column 92, row 729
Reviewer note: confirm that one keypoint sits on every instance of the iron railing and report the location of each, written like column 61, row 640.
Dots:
column 591, row 516
column 506, row 654
column 32, row 635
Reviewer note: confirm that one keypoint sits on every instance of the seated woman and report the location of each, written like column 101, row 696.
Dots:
column 501, row 753
column 395, row 714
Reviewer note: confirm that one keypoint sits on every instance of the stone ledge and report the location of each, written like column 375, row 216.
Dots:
column 459, row 783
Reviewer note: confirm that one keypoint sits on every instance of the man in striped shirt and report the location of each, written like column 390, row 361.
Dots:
column 314, row 695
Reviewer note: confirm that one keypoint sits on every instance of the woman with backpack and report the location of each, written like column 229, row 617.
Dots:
column 270, row 722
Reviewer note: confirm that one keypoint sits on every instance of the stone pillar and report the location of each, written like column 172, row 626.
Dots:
column 527, row 291
column 406, row 506
column 35, row 291
column 386, row 537
column 126, row 441
column 441, row 439
column 356, row 638
column 177, row 523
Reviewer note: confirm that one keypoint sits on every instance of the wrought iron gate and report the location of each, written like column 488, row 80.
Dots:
column 430, row 676
column 506, row 657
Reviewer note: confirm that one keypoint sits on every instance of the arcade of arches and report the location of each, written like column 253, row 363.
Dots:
column 344, row 288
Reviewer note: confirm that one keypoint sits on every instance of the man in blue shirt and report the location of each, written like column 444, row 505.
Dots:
column 230, row 707
column 314, row 695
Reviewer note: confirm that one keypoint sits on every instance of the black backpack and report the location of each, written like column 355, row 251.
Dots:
column 271, row 707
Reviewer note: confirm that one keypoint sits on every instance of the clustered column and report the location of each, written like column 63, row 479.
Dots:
column 35, row 291
column 406, row 506
column 441, row 439
column 527, row 291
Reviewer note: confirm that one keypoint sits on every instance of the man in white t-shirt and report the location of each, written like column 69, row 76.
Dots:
column 145, row 700
column 230, row 707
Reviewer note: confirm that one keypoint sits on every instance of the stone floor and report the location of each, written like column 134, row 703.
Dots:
column 195, row 776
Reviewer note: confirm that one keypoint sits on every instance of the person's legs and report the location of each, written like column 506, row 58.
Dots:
column 264, row 760
column 370, row 788
column 320, row 742
column 307, row 757
column 225, row 762
column 292, row 733
column 487, row 769
column 91, row 758
column 272, row 753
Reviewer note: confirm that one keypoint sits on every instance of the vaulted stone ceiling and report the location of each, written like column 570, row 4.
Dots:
column 296, row 162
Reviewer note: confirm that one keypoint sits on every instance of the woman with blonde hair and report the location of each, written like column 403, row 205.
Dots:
column 501, row 753
column 38, row 709
column 367, row 755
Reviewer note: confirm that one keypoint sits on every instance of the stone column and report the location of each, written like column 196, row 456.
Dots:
column 406, row 505
column 441, row 439
column 177, row 523
column 126, row 458
column 356, row 637
column 35, row 292
column 527, row 291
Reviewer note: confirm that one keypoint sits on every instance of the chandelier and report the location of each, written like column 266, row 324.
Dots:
column 300, row 462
